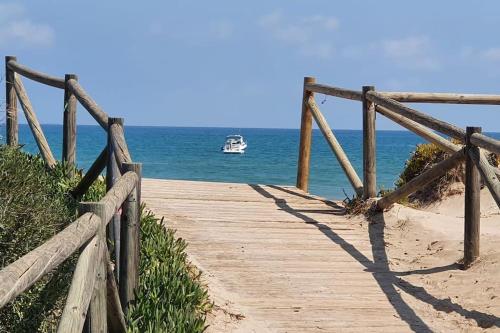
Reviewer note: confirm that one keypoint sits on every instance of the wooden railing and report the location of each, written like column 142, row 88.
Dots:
column 106, row 234
column 389, row 104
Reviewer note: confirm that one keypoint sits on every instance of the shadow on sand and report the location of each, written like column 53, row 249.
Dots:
column 379, row 268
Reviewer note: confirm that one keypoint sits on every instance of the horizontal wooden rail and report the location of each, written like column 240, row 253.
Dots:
column 447, row 98
column 423, row 179
column 488, row 173
column 420, row 130
column 118, row 193
column 93, row 172
column 336, row 147
column 36, row 128
column 485, row 142
column 24, row 272
column 119, row 143
column 417, row 116
column 88, row 103
column 35, row 75
column 333, row 91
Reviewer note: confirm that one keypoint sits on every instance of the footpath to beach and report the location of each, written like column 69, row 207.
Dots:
column 278, row 259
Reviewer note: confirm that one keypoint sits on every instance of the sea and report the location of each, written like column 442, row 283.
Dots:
column 194, row 153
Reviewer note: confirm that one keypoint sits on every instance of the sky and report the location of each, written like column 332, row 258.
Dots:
column 241, row 63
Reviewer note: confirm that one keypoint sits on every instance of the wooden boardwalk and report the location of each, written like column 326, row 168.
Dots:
column 294, row 262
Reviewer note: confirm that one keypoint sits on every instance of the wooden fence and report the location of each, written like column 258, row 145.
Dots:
column 389, row 104
column 106, row 234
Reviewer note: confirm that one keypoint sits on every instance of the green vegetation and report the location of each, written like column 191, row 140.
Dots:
column 170, row 296
column 35, row 205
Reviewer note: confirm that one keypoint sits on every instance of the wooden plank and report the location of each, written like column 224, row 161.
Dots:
column 417, row 116
column 332, row 141
column 12, row 126
column 69, row 123
column 472, row 215
column 333, row 91
column 303, row 163
column 35, row 75
column 24, row 272
column 449, row 98
column 319, row 274
column 369, row 147
column 421, row 180
column 88, row 103
column 36, row 129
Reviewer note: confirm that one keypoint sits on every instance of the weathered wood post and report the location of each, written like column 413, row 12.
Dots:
column 69, row 123
column 112, row 175
column 472, row 201
column 130, row 240
column 96, row 320
column 369, row 146
column 305, row 139
column 11, row 104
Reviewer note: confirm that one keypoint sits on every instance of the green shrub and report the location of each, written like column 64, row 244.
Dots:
column 34, row 206
column 170, row 296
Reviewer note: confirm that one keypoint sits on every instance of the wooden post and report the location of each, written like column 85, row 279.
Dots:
column 472, row 201
column 96, row 320
column 112, row 175
column 369, row 146
column 11, row 104
column 305, row 139
column 69, row 123
column 130, row 247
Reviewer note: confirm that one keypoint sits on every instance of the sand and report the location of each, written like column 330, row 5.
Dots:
column 424, row 246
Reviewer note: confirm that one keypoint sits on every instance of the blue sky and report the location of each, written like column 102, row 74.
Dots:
column 241, row 64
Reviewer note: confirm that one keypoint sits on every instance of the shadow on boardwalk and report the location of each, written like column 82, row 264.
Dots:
column 379, row 268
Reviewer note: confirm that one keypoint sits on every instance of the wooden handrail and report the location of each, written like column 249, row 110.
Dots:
column 418, row 129
column 119, row 143
column 485, row 142
column 423, row 179
column 447, row 98
column 88, row 103
column 35, row 75
column 417, row 116
column 81, row 287
column 24, row 272
column 333, row 91
column 92, row 173
column 36, row 129
column 336, row 147
column 488, row 173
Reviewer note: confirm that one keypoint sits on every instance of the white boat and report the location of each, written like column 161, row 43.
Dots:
column 235, row 144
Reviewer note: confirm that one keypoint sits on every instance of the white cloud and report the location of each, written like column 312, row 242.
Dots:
column 16, row 29
column 414, row 52
column 491, row 54
column 310, row 34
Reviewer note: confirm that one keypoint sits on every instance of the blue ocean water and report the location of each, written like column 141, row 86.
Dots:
column 271, row 156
